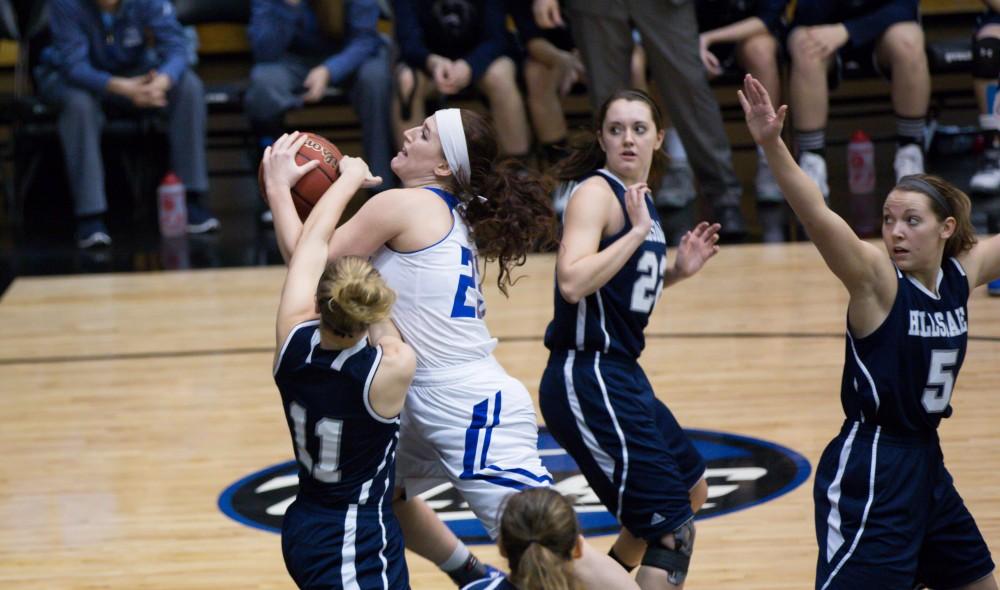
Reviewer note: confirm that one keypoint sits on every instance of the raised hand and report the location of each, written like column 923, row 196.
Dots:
column 280, row 169
column 696, row 247
column 635, row 205
column 762, row 120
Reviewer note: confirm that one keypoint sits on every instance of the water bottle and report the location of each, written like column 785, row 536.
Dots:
column 861, row 182
column 172, row 206
column 861, row 164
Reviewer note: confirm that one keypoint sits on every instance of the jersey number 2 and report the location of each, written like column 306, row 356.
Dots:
column 328, row 430
column 940, row 380
column 649, row 285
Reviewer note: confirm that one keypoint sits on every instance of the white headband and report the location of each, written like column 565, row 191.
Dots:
column 452, row 135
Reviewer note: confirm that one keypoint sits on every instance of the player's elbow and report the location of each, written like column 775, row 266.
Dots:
column 571, row 290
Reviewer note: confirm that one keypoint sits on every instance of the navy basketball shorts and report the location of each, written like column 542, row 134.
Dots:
column 357, row 547
column 627, row 444
column 888, row 516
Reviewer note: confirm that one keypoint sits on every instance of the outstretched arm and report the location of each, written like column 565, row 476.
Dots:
column 856, row 263
column 982, row 262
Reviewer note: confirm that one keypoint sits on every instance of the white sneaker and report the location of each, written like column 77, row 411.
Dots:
column 987, row 178
column 909, row 160
column 766, row 185
column 815, row 168
column 676, row 186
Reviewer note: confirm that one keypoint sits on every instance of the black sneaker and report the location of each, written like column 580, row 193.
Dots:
column 473, row 570
column 91, row 233
column 200, row 220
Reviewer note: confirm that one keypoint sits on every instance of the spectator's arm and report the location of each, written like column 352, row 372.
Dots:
column 410, row 35
column 70, row 41
column 494, row 39
column 867, row 28
column 362, row 40
column 171, row 44
column 272, row 27
column 735, row 32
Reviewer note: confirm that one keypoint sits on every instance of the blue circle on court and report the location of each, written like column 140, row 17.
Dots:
column 742, row 472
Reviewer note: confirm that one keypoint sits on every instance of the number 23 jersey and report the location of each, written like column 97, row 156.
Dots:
column 612, row 319
column 901, row 375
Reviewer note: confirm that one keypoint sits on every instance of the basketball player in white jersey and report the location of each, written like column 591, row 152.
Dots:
column 465, row 421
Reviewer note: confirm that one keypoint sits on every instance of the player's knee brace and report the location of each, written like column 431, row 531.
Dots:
column 673, row 561
column 986, row 58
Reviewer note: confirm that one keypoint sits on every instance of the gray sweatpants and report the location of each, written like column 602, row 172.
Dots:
column 276, row 87
column 669, row 29
column 81, row 119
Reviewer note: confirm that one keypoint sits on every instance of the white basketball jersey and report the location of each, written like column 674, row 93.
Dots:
column 439, row 306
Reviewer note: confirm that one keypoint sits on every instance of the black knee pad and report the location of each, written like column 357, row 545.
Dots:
column 673, row 561
column 986, row 58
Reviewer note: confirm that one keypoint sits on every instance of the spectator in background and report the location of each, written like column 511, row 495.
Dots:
column 447, row 46
column 130, row 54
column 669, row 31
column 825, row 33
column 301, row 48
column 985, row 71
column 551, row 67
column 748, row 32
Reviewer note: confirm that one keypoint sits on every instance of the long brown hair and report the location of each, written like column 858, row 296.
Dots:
column 538, row 533
column 352, row 295
column 516, row 216
column 961, row 209
column 585, row 150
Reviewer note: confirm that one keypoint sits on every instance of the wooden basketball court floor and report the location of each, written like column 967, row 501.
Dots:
column 129, row 402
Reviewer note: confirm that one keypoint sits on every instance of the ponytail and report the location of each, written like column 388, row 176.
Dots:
column 539, row 532
column 352, row 296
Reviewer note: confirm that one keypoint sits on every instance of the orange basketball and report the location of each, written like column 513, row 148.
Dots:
column 311, row 187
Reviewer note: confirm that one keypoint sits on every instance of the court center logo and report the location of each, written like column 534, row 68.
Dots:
column 742, row 472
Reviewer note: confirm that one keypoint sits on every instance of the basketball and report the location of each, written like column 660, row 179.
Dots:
column 308, row 190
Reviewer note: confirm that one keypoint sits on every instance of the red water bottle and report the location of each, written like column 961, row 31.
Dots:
column 861, row 183
column 861, row 164
column 172, row 206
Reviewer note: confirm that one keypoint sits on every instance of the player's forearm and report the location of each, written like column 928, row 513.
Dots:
column 737, row 31
column 582, row 277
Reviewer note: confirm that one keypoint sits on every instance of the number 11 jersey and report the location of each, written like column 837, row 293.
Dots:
column 612, row 319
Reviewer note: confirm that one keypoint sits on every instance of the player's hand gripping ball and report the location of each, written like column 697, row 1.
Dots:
column 314, row 183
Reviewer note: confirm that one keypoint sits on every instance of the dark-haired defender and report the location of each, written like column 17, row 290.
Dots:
column 343, row 372
column 887, row 511
column 596, row 400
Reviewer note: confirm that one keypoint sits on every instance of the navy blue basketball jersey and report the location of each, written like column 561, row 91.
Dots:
column 611, row 320
column 901, row 376
column 345, row 451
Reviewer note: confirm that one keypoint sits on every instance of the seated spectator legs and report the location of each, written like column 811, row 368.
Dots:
column 370, row 95
column 542, row 83
column 499, row 84
column 985, row 71
column 758, row 55
column 810, row 105
column 81, row 120
column 409, row 108
column 901, row 48
column 187, row 115
column 275, row 88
